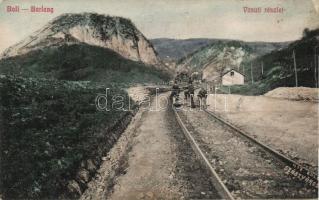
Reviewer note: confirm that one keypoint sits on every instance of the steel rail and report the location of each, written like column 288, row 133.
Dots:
column 215, row 179
column 280, row 156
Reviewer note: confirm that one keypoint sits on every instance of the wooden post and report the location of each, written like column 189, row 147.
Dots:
column 251, row 72
column 295, row 67
column 262, row 68
column 315, row 65
column 315, row 58
column 315, row 74
column 215, row 89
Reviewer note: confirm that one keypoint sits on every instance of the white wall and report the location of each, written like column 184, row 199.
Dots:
column 237, row 79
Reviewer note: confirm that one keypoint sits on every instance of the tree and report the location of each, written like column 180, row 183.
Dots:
column 305, row 32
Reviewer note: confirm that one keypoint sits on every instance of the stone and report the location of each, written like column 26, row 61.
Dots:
column 90, row 165
column 140, row 196
column 74, row 188
column 150, row 194
column 83, row 175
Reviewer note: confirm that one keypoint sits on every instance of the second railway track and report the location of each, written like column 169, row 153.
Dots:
column 240, row 168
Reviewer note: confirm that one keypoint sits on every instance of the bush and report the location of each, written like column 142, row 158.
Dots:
column 48, row 128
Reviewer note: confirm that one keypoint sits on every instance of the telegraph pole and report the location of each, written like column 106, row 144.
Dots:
column 317, row 72
column 251, row 72
column 316, row 76
column 317, row 67
column 295, row 66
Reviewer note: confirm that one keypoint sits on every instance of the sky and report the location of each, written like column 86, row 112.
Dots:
column 179, row 19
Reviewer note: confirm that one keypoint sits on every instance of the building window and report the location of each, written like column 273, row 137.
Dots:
column 232, row 73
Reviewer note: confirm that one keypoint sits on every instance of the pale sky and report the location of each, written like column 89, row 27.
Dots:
column 179, row 19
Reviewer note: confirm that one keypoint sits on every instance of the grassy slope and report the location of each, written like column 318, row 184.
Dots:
column 49, row 127
column 81, row 62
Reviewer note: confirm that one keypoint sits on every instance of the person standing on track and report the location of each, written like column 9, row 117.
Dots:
column 202, row 96
column 175, row 91
column 186, row 94
column 191, row 93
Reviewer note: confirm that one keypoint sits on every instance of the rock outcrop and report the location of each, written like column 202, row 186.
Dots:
column 213, row 60
column 116, row 33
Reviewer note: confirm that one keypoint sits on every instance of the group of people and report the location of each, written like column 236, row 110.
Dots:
column 189, row 92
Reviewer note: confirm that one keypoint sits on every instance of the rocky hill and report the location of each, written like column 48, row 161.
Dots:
column 176, row 49
column 89, row 47
column 212, row 60
column 116, row 33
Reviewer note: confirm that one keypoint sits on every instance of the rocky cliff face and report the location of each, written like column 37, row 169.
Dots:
column 213, row 60
column 116, row 33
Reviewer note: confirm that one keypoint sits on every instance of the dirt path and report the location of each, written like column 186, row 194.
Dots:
column 151, row 162
column 161, row 164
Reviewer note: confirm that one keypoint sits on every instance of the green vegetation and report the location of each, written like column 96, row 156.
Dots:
column 106, row 25
column 49, row 123
column 48, row 128
column 208, row 53
column 82, row 62
column 175, row 49
column 273, row 79
column 279, row 67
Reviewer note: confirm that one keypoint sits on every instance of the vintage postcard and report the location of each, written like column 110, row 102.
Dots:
column 159, row 99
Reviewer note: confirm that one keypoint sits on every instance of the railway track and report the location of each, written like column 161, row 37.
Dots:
column 239, row 165
column 290, row 163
